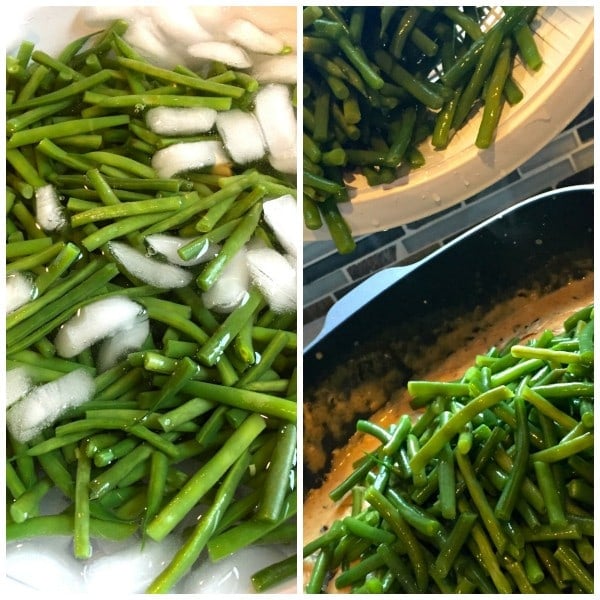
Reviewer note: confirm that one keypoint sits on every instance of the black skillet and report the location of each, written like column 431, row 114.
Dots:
column 540, row 243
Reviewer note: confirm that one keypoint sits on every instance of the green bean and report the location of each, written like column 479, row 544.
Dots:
column 111, row 477
column 274, row 574
column 25, row 100
column 54, row 152
column 354, row 478
column 127, row 225
column 527, row 45
column 428, row 96
column 442, row 131
column 26, row 220
column 24, row 168
column 27, row 504
column 494, row 97
column 54, row 466
column 83, row 141
column 581, row 491
column 424, row 391
column 464, row 21
column 569, row 559
column 547, row 408
column 244, row 399
column 234, row 242
column 479, row 499
column 59, row 265
column 510, row 492
column 121, row 162
column 13, row 482
column 413, row 516
column 126, row 210
column 81, row 524
column 358, row 572
column 191, row 549
column 337, row 227
column 271, row 505
column 567, row 389
column 27, row 263
column 62, row 524
column 195, row 82
column 310, row 14
column 150, row 100
column 204, row 478
column 447, row 481
column 359, row 528
column 398, row 568
column 211, row 351
column 392, row 445
column 73, row 127
column 585, row 550
column 454, row 542
column 26, row 468
column 247, row 532
column 328, row 538
column 319, row 572
column 27, row 319
column 26, row 247
column 401, row 141
column 491, row 47
column 403, row 532
column 564, row 449
column 405, row 26
column 481, row 547
column 456, row 423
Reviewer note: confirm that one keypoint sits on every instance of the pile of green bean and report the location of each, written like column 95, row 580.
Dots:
column 202, row 419
column 490, row 490
column 379, row 81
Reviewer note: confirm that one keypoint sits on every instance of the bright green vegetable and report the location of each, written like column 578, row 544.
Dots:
column 505, row 512
column 381, row 80
column 189, row 415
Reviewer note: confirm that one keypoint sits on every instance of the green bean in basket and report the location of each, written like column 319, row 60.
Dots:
column 379, row 81
column 151, row 298
column 488, row 490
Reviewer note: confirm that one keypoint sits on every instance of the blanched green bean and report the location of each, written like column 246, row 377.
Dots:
column 505, row 519
column 364, row 65
column 77, row 121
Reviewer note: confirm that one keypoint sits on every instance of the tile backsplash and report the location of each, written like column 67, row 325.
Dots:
column 567, row 160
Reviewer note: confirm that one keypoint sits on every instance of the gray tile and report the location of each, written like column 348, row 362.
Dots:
column 584, row 157
column 586, row 132
column 560, row 147
column 317, row 250
column 374, row 262
column 317, row 309
column 323, row 286
column 311, row 330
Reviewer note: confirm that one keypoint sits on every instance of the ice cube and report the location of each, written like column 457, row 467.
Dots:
column 241, row 135
column 19, row 290
column 94, row 322
column 153, row 272
column 187, row 156
column 167, row 120
column 281, row 214
column 274, row 276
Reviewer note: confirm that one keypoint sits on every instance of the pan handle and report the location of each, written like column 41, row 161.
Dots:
column 361, row 295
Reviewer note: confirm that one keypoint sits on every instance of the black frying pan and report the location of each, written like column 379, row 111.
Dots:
column 543, row 242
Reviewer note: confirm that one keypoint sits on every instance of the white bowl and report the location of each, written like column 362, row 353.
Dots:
column 554, row 95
